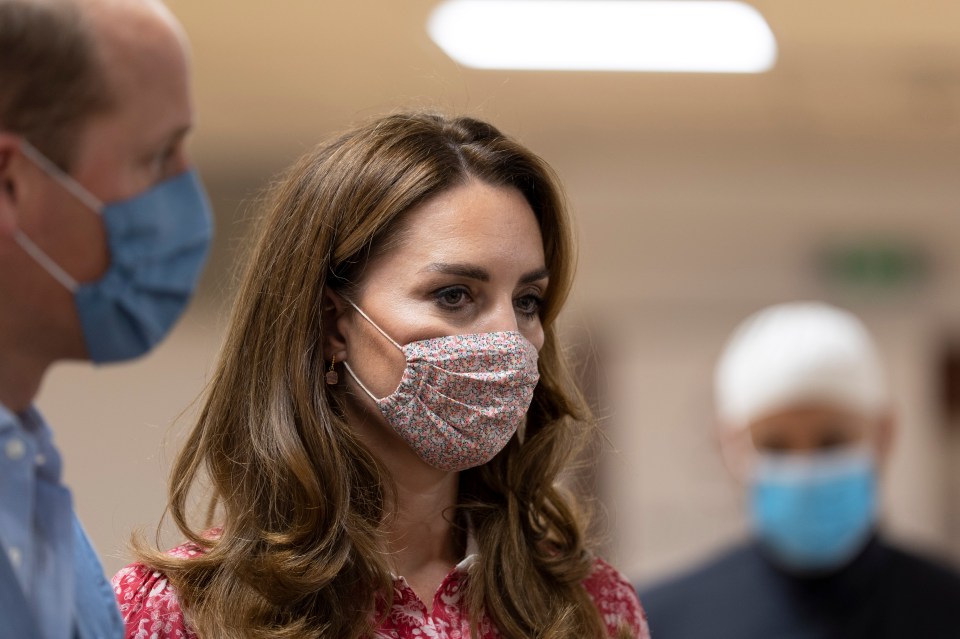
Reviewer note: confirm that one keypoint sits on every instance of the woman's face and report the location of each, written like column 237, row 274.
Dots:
column 470, row 260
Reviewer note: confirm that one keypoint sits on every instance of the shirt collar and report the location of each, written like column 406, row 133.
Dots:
column 29, row 420
column 31, row 425
column 472, row 550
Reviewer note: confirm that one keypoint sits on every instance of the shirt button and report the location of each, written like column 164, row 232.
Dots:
column 40, row 459
column 15, row 556
column 15, row 449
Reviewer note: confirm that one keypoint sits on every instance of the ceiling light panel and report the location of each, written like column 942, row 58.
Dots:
column 605, row 35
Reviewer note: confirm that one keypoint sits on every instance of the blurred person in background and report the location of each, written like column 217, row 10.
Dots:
column 385, row 431
column 103, row 232
column 806, row 425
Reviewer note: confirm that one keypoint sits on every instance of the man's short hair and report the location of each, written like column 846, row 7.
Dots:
column 51, row 77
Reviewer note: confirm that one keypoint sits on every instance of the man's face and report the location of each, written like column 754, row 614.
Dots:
column 812, row 488
column 122, row 152
column 810, row 429
column 129, row 148
column 803, row 430
column 140, row 142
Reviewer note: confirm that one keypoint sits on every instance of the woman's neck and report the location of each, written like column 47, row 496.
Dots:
column 419, row 525
column 420, row 534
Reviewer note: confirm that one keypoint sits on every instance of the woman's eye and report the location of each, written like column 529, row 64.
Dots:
column 529, row 305
column 452, row 297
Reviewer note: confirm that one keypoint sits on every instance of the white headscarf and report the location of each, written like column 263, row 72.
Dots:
column 805, row 353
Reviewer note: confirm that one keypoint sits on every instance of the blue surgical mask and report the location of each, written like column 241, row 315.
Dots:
column 814, row 512
column 158, row 243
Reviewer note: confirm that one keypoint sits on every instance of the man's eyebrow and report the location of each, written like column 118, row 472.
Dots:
column 463, row 270
column 182, row 132
column 177, row 135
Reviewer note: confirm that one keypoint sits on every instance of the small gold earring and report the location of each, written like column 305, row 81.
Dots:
column 332, row 377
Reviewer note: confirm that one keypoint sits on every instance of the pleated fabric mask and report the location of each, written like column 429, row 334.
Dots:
column 461, row 397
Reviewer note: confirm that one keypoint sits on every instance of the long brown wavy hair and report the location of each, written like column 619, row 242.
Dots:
column 299, row 500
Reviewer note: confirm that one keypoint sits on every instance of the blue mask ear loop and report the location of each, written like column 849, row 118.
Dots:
column 29, row 246
column 346, row 364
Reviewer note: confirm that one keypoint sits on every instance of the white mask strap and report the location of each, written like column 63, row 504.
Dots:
column 374, row 324
column 58, row 174
column 357, row 380
column 45, row 261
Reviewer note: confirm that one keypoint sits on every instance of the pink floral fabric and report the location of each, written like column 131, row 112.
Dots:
column 148, row 604
column 151, row 610
column 462, row 397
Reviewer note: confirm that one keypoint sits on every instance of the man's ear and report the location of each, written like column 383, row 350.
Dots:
column 736, row 450
column 9, row 150
column 332, row 317
column 885, row 435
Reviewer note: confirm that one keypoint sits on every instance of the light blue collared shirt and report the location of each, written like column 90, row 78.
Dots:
column 52, row 585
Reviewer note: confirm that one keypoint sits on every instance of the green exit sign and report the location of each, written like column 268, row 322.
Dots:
column 880, row 266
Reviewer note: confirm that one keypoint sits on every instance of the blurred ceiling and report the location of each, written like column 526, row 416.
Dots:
column 679, row 180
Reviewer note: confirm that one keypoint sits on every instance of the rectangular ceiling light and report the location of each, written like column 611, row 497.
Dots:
column 703, row 36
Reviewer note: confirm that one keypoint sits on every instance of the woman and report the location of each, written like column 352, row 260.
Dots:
column 390, row 415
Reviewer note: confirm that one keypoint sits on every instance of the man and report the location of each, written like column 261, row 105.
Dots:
column 103, row 232
column 805, row 424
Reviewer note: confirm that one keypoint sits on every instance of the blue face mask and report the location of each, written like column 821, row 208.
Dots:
column 158, row 243
column 814, row 512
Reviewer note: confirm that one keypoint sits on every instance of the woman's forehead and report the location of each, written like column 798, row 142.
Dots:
column 475, row 223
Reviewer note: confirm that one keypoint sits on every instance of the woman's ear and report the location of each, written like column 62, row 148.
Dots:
column 332, row 316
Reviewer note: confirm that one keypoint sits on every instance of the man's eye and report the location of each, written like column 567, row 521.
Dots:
column 161, row 160
column 774, row 445
column 832, row 440
column 164, row 157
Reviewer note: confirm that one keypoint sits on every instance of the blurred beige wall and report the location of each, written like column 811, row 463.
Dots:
column 698, row 199
column 115, row 429
column 667, row 498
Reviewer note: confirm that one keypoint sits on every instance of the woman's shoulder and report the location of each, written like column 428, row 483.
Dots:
column 616, row 600
column 148, row 603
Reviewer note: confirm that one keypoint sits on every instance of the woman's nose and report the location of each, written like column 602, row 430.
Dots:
column 502, row 317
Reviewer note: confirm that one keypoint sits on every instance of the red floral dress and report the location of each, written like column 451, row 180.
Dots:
column 151, row 610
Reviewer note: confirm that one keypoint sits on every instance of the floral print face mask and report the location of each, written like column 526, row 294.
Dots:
column 461, row 397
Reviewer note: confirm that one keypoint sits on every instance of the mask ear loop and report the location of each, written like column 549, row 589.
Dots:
column 346, row 365
column 374, row 324
column 73, row 187
column 361, row 384
column 58, row 174
column 45, row 261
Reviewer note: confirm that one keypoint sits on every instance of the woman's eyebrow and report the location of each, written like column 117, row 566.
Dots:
column 479, row 273
column 533, row 276
column 463, row 270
